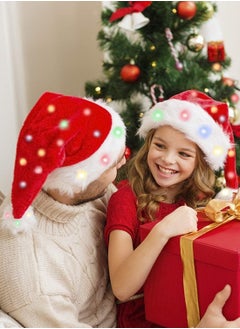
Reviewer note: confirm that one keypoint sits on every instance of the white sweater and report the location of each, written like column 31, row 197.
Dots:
column 56, row 275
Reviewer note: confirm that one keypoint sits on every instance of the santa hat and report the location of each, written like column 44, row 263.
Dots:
column 203, row 120
column 65, row 143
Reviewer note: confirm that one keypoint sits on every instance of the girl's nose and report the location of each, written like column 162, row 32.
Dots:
column 169, row 158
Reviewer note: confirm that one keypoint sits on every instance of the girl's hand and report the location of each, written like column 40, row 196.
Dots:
column 183, row 220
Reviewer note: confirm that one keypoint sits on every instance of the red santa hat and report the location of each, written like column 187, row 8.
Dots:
column 203, row 120
column 65, row 143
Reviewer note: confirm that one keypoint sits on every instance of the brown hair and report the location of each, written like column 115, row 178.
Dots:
column 196, row 191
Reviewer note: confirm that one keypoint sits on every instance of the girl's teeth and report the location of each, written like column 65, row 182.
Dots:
column 167, row 171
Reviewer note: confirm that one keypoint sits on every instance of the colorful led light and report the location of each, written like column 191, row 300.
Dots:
column 157, row 115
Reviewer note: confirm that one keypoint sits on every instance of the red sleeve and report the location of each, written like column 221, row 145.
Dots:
column 121, row 213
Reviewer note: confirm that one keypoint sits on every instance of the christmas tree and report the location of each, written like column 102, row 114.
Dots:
column 155, row 49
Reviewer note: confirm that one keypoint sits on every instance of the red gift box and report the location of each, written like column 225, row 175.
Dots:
column 217, row 263
column 216, row 51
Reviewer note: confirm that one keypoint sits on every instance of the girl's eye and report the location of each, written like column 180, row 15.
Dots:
column 160, row 146
column 185, row 155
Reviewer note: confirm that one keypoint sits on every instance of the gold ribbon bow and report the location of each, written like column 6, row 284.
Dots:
column 220, row 212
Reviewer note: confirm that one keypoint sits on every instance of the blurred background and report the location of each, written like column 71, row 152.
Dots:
column 52, row 45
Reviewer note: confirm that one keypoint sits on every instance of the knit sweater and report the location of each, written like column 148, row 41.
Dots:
column 56, row 275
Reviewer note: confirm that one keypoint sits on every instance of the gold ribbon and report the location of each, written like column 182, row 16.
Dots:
column 220, row 212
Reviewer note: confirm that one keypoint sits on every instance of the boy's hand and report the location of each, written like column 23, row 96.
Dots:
column 213, row 317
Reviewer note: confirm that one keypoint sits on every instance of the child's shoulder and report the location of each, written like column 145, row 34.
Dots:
column 123, row 199
column 122, row 183
column 124, row 190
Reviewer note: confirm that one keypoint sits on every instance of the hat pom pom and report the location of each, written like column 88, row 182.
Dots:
column 23, row 224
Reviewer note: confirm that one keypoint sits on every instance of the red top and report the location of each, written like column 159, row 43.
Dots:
column 122, row 215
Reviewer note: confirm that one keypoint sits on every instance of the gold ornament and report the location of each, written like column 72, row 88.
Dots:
column 221, row 181
column 209, row 11
column 98, row 90
column 154, row 64
column 195, row 42
column 217, row 67
column 108, row 99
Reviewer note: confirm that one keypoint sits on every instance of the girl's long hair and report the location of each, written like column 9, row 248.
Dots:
column 196, row 191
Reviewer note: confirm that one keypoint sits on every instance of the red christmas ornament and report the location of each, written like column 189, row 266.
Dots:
column 127, row 153
column 186, row 9
column 227, row 81
column 216, row 51
column 234, row 98
column 130, row 73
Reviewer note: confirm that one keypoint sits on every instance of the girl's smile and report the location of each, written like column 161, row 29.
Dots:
column 167, row 171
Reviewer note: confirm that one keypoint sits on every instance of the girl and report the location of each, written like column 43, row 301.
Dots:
column 169, row 177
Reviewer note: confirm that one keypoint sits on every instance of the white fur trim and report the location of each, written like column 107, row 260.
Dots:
column 193, row 121
column 226, row 193
column 8, row 222
column 75, row 178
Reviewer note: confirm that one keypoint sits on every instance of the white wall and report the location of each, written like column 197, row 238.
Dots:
column 45, row 45
column 8, row 97
column 51, row 45
column 229, row 18
column 60, row 50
